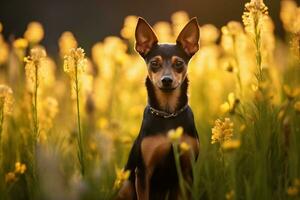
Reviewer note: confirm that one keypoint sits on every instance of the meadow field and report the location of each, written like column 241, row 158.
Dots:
column 67, row 121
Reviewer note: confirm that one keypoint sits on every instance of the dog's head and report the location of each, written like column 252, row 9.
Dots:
column 167, row 63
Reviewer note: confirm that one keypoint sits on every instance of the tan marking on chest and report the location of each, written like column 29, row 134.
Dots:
column 156, row 148
column 167, row 101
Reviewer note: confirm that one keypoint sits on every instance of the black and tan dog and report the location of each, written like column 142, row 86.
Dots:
column 151, row 160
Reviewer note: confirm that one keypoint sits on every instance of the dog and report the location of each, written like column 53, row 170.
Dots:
column 151, row 160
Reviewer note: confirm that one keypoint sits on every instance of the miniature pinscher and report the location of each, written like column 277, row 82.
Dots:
column 151, row 159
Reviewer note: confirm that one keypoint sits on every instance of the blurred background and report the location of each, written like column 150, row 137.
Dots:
column 68, row 121
column 93, row 20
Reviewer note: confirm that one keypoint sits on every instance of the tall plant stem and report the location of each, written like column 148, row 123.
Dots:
column 35, row 102
column 35, row 123
column 1, row 124
column 79, row 135
column 1, row 128
column 179, row 171
column 257, row 41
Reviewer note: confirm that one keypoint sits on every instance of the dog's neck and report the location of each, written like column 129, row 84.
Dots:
column 167, row 102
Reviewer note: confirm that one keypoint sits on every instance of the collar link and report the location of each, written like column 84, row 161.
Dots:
column 166, row 115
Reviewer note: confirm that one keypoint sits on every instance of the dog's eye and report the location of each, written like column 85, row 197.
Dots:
column 178, row 64
column 154, row 64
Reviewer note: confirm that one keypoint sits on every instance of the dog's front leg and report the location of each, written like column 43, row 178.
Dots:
column 126, row 192
column 142, row 183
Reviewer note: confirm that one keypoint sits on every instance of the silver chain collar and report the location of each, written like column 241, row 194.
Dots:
column 166, row 115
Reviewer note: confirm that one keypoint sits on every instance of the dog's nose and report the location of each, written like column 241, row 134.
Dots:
column 166, row 80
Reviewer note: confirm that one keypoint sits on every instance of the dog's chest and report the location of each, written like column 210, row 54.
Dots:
column 156, row 149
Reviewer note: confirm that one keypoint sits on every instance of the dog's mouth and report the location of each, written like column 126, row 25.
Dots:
column 167, row 89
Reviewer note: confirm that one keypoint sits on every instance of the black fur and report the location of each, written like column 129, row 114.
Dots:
column 167, row 51
column 163, row 182
column 164, row 179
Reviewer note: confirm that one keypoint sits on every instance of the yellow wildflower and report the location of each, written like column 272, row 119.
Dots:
column 6, row 99
column 230, row 105
column 222, row 131
column 253, row 16
column 234, row 28
column 37, row 53
column 209, row 34
column 121, row 176
column 232, row 37
column 20, row 43
column 4, row 51
column 180, row 17
column 66, row 42
column 34, row 33
column 290, row 16
column 230, row 145
column 33, row 66
column 20, row 168
column 128, row 29
column 10, row 177
column 113, row 46
column 75, row 62
column 98, row 53
column 179, row 20
column 19, row 46
column 163, row 31
column 184, row 147
column 174, row 135
column 108, row 55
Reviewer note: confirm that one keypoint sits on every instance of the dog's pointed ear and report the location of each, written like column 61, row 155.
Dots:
column 188, row 38
column 144, row 36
